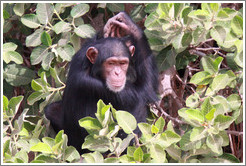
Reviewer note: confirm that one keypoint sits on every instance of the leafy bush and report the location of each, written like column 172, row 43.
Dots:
column 200, row 122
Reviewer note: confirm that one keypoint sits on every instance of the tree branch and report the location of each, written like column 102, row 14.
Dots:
column 234, row 132
column 167, row 115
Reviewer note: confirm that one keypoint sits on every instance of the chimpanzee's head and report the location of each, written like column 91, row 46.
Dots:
column 110, row 58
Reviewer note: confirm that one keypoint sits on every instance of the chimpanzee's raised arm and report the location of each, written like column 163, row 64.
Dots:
column 147, row 73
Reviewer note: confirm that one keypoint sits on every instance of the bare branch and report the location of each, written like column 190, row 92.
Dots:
column 167, row 115
column 234, row 132
column 208, row 49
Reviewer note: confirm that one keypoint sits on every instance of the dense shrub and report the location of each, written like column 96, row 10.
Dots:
column 199, row 51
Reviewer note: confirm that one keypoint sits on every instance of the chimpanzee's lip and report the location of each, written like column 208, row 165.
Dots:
column 117, row 85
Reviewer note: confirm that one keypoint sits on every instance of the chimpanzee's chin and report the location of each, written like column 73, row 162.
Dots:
column 116, row 89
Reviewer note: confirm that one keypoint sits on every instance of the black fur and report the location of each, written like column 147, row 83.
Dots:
column 85, row 86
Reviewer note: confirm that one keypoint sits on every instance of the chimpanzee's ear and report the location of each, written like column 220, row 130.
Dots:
column 132, row 50
column 91, row 54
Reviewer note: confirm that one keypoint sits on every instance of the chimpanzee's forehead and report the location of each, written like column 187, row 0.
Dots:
column 115, row 48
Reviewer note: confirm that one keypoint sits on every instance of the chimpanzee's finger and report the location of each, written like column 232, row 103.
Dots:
column 113, row 31
column 118, row 31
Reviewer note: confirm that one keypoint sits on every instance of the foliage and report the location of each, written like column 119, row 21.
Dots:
column 204, row 40
column 204, row 142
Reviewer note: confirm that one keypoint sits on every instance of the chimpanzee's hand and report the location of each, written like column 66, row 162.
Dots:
column 121, row 25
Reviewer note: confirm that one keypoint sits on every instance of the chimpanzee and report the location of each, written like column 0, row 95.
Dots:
column 118, row 68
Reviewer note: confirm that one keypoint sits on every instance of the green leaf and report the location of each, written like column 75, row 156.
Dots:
column 214, row 142
column 200, row 15
column 12, row 56
column 226, row 157
column 49, row 141
column 174, row 151
column 166, row 58
column 206, row 106
column 186, row 39
column 9, row 47
column 154, row 129
column 38, row 54
column 36, row 85
column 30, row 20
column 182, row 113
column 210, row 115
column 41, row 147
column 222, row 15
column 157, row 153
column 138, row 154
column 199, row 35
column 221, row 104
column 85, row 31
column 234, row 101
column 219, row 82
column 111, row 160
column 15, row 102
column 193, row 101
column 116, row 7
column 198, row 133
column 217, row 63
column 137, row 13
column 179, row 41
column 36, row 96
column 210, row 7
column 100, row 144
column 145, row 128
column 201, row 78
column 164, row 9
column 22, row 155
column 46, row 39
column 218, row 33
column 61, row 27
column 90, row 123
column 47, row 59
column 101, row 110
column 186, row 144
column 167, row 138
column 34, row 39
column 223, row 121
column 54, row 74
column 160, row 123
column 66, row 52
column 237, row 25
column 153, row 23
column 17, row 75
column 71, row 154
column 44, row 12
column 195, row 114
column 79, row 10
column 58, row 137
column 183, row 59
column 19, row 9
column 178, row 7
column 230, row 59
column 94, row 157
column 151, row 7
column 5, row 103
column 5, row 14
column 125, row 143
column 126, row 121
column 208, row 65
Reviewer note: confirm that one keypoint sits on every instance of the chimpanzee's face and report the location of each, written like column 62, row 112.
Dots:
column 115, row 72
column 113, row 58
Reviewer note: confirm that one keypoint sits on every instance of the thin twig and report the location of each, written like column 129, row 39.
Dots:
column 167, row 115
column 207, row 49
column 196, row 52
column 234, row 132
